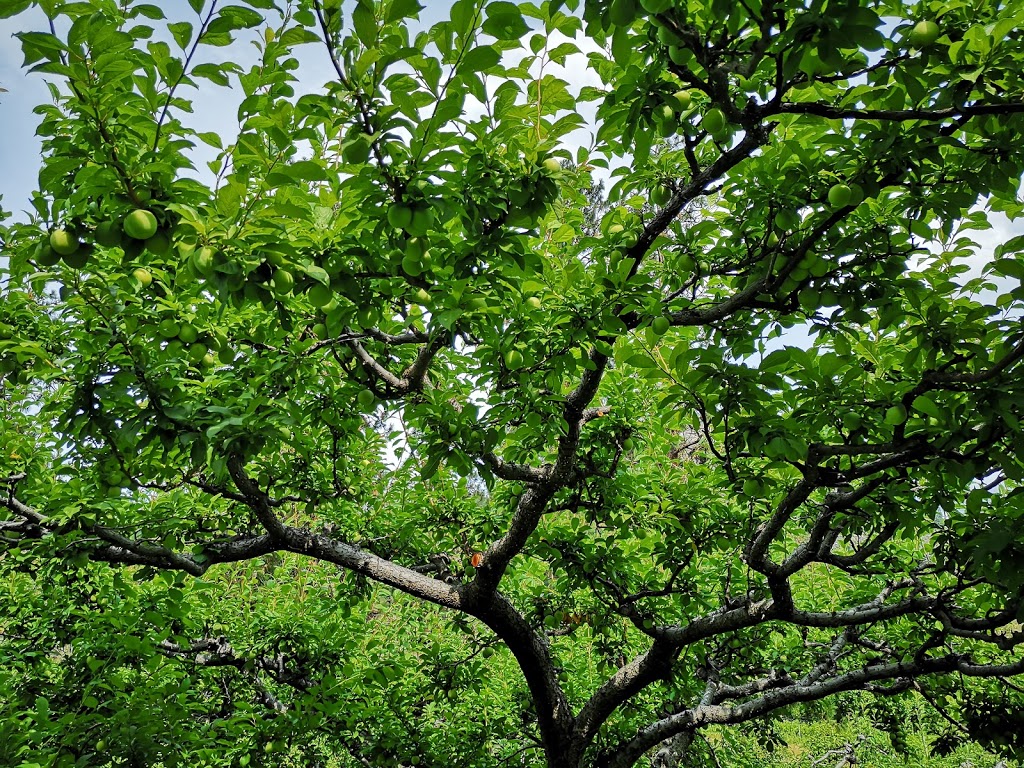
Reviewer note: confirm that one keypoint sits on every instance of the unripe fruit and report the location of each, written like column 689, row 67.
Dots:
column 661, row 195
column 421, row 222
column 415, row 247
column 714, row 121
column 78, row 258
column 188, row 334
column 551, row 165
column 678, row 55
column 533, row 303
column 44, row 255
column 513, row 359
column 168, row 328
column 924, row 34
column 365, row 399
column 412, row 266
column 897, row 414
column 660, row 325
column 140, row 224
column 158, row 244
column 358, row 152
column 839, row 195
column 143, row 276
column 320, row 295
column 665, row 118
column 202, row 261
column 197, row 353
column 420, row 296
column 283, row 282
column 399, row 215
column 682, row 98
column 108, row 234
column 63, row 242
column 622, row 13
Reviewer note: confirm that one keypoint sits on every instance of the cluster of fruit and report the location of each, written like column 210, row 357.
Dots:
column 198, row 346
column 137, row 231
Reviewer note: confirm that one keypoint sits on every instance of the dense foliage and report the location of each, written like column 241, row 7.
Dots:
column 421, row 419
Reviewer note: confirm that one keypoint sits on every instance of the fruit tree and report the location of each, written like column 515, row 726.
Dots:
column 545, row 384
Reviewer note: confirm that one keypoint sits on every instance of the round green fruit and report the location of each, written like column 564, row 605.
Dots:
column 682, row 98
column 366, row 399
column 108, row 234
column 714, row 121
column 320, row 331
column 284, row 281
column 159, row 244
column 533, row 303
column 358, row 152
column 661, row 195
column 188, row 334
column 202, row 261
column 168, row 328
column 665, row 119
column 420, row 296
column 678, row 55
column 514, row 359
column 399, row 215
column 840, row 195
column 422, row 221
column 44, row 255
column 660, row 325
column 622, row 13
column 78, row 258
column 144, row 277
column 924, row 34
column 320, row 295
column 551, row 165
column 63, row 242
column 412, row 265
column 415, row 247
column 226, row 355
column 140, row 224
column 897, row 414
column 197, row 353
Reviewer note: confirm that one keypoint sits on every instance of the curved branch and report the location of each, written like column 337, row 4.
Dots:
column 856, row 679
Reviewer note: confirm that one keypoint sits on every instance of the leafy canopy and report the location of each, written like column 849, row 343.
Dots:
column 550, row 384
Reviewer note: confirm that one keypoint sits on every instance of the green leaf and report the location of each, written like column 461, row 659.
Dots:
column 13, row 8
column 182, row 32
column 927, row 406
column 298, row 36
column 365, row 24
column 480, row 59
column 504, row 21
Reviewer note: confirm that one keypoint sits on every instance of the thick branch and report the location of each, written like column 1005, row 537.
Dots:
column 857, row 679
